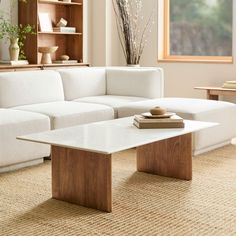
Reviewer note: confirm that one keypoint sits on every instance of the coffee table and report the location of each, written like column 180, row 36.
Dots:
column 81, row 156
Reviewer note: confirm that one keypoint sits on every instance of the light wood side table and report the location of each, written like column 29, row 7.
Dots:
column 213, row 93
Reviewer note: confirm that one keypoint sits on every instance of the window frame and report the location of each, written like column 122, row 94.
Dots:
column 165, row 54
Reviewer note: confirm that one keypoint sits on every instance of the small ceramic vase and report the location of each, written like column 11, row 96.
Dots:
column 14, row 49
column 158, row 111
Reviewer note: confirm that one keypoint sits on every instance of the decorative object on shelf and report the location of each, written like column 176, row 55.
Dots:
column 62, row 23
column 133, row 65
column 46, row 54
column 229, row 84
column 65, row 62
column 15, row 33
column 14, row 63
column 64, row 57
column 45, row 22
column 128, row 20
column 14, row 49
column 64, row 29
column 68, row 1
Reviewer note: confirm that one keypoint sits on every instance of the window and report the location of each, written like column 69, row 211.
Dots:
column 197, row 30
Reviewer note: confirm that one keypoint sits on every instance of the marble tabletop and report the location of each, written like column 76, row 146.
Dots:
column 111, row 136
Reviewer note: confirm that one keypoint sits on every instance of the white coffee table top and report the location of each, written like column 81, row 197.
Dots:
column 111, row 136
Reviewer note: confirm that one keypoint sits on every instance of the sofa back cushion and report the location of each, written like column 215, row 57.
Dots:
column 83, row 82
column 30, row 87
column 139, row 82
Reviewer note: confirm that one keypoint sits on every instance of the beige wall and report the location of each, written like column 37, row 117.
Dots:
column 105, row 47
column 101, row 47
column 5, row 6
column 180, row 78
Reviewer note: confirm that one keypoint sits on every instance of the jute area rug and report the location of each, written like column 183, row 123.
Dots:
column 143, row 204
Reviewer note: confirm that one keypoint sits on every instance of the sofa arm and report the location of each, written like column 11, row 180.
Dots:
column 140, row 82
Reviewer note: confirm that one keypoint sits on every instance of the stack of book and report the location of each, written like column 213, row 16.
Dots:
column 65, row 29
column 143, row 122
column 229, row 85
column 65, row 61
column 15, row 63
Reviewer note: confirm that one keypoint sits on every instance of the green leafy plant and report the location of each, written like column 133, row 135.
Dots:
column 9, row 30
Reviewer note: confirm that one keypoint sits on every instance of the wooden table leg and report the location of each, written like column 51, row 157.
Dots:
column 82, row 177
column 171, row 157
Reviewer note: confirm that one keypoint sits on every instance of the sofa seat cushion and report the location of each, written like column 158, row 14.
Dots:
column 64, row 114
column 14, row 123
column 223, row 113
column 112, row 101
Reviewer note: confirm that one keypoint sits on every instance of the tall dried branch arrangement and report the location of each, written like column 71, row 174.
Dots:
column 132, row 33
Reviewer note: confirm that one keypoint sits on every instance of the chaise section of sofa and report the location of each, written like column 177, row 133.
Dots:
column 223, row 113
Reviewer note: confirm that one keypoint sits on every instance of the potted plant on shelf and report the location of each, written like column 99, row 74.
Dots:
column 133, row 38
column 15, row 33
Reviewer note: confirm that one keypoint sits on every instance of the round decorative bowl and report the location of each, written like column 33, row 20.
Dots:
column 46, row 54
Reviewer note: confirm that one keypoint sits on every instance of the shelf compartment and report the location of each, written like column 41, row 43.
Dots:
column 67, row 45
column 72, row 15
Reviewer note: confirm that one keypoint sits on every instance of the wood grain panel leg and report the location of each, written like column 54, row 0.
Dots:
column 171, row 157
column 82, row 177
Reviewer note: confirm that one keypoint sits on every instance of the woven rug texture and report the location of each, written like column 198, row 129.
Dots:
column 143, row 204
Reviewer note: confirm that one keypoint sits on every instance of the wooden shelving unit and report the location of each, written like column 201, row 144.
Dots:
column 70, row 44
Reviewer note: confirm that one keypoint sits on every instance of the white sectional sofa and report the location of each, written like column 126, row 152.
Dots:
column 36, row 101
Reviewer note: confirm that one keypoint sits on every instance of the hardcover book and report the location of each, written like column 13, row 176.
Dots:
column 65, row 29
column 172, row 119
column 65, row 61
column 163, row 125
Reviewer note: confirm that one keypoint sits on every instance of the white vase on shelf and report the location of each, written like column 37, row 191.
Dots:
column 14, row 49
column 133, row 65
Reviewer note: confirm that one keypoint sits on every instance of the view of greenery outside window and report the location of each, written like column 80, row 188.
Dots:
column 199, row 29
